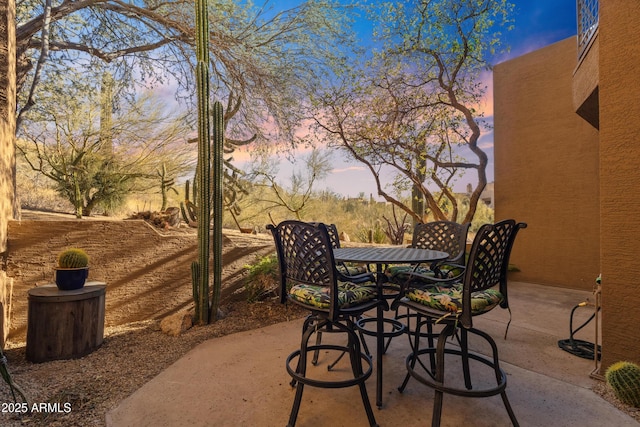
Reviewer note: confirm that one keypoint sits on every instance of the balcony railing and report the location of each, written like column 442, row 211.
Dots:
column 587, row 24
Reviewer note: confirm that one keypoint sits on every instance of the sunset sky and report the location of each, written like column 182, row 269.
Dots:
column 538, row 23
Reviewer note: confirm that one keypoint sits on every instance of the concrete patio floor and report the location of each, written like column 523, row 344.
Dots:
column 240, row 379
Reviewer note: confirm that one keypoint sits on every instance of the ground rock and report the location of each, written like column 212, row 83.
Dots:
column 175, row 324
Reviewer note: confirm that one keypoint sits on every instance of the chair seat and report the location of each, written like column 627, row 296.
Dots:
column 352, row 270
column 349, row 294
column 401, row 273
column 448, row 298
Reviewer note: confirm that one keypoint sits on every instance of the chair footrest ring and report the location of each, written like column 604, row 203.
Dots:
column 397, row 328
column 328, row 384
column 452, row 390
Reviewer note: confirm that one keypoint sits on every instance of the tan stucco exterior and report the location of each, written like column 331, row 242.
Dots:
column 578, row 187
column 7, row 150
column 546, row 169
column 7, row 116
column 619, row 95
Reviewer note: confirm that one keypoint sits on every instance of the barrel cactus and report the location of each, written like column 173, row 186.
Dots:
column 73, row 258
column 624, row 379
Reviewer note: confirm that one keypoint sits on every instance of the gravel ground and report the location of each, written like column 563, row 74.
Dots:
column 79, row 392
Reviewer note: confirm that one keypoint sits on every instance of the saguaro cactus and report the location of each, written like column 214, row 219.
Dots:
column 166, row 185
column 204, row 180
column 200, row 268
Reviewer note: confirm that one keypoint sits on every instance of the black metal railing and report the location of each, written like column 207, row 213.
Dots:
column 587, row 24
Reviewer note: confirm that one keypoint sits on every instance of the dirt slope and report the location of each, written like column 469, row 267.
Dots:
column 147, row 272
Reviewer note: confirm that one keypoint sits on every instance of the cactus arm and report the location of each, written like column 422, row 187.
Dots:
column 188, row 209
column 218, row 196
column 195, row 282
column 183, row 211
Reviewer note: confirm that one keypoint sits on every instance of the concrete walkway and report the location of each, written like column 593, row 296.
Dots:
column 240, row 379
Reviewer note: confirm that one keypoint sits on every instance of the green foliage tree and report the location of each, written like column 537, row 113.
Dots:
column 93, row 167
column 412, row 109
column 262, row 61
column 294, row 198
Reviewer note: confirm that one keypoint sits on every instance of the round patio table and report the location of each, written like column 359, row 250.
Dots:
column 381, row 256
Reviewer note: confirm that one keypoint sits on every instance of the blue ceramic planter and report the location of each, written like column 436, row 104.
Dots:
column 68, row 279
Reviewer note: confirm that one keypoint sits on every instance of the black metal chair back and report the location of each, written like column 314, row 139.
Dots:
column 445, row 236
column 488, row 263
column 305, row 255
column 334, row 237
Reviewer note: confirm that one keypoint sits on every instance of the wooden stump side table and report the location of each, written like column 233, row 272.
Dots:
column 65, row 324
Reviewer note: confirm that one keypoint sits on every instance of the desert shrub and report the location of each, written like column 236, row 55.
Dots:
column 262, row 279
column 371, row 234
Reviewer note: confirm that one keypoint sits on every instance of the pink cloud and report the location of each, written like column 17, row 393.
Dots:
column 348, row 169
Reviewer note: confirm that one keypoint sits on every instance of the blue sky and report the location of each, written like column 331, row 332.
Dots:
column 538, row 23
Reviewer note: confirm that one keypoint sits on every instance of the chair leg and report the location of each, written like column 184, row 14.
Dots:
column 317, row 352
column 356, row 366
column 352, row 325
column 296, row 405
column 415, row 345
column 436, row 378
column 335, row 362
column 306, row 326
column 464, row 348
column 430, row 335
column 302, row 370
column 432, row 357
column 507, row 405
column 414, row 342
column 500, row 378
column 439, row 374
column 364, row 343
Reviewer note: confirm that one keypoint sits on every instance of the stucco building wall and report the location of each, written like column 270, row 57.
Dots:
column 619, row 92
column 546, row 169
column 7, row 115
column 7, row 150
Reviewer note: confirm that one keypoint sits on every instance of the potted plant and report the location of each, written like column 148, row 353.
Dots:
column 72, row 269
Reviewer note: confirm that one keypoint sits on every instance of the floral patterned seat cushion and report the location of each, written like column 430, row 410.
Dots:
column 449, row 298
column 349, row 294
column 351, row 270
column 400, row 273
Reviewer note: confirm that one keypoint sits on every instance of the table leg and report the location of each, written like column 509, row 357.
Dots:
column 379, row 336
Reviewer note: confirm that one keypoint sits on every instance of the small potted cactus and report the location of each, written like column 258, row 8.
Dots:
column 72, row 269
